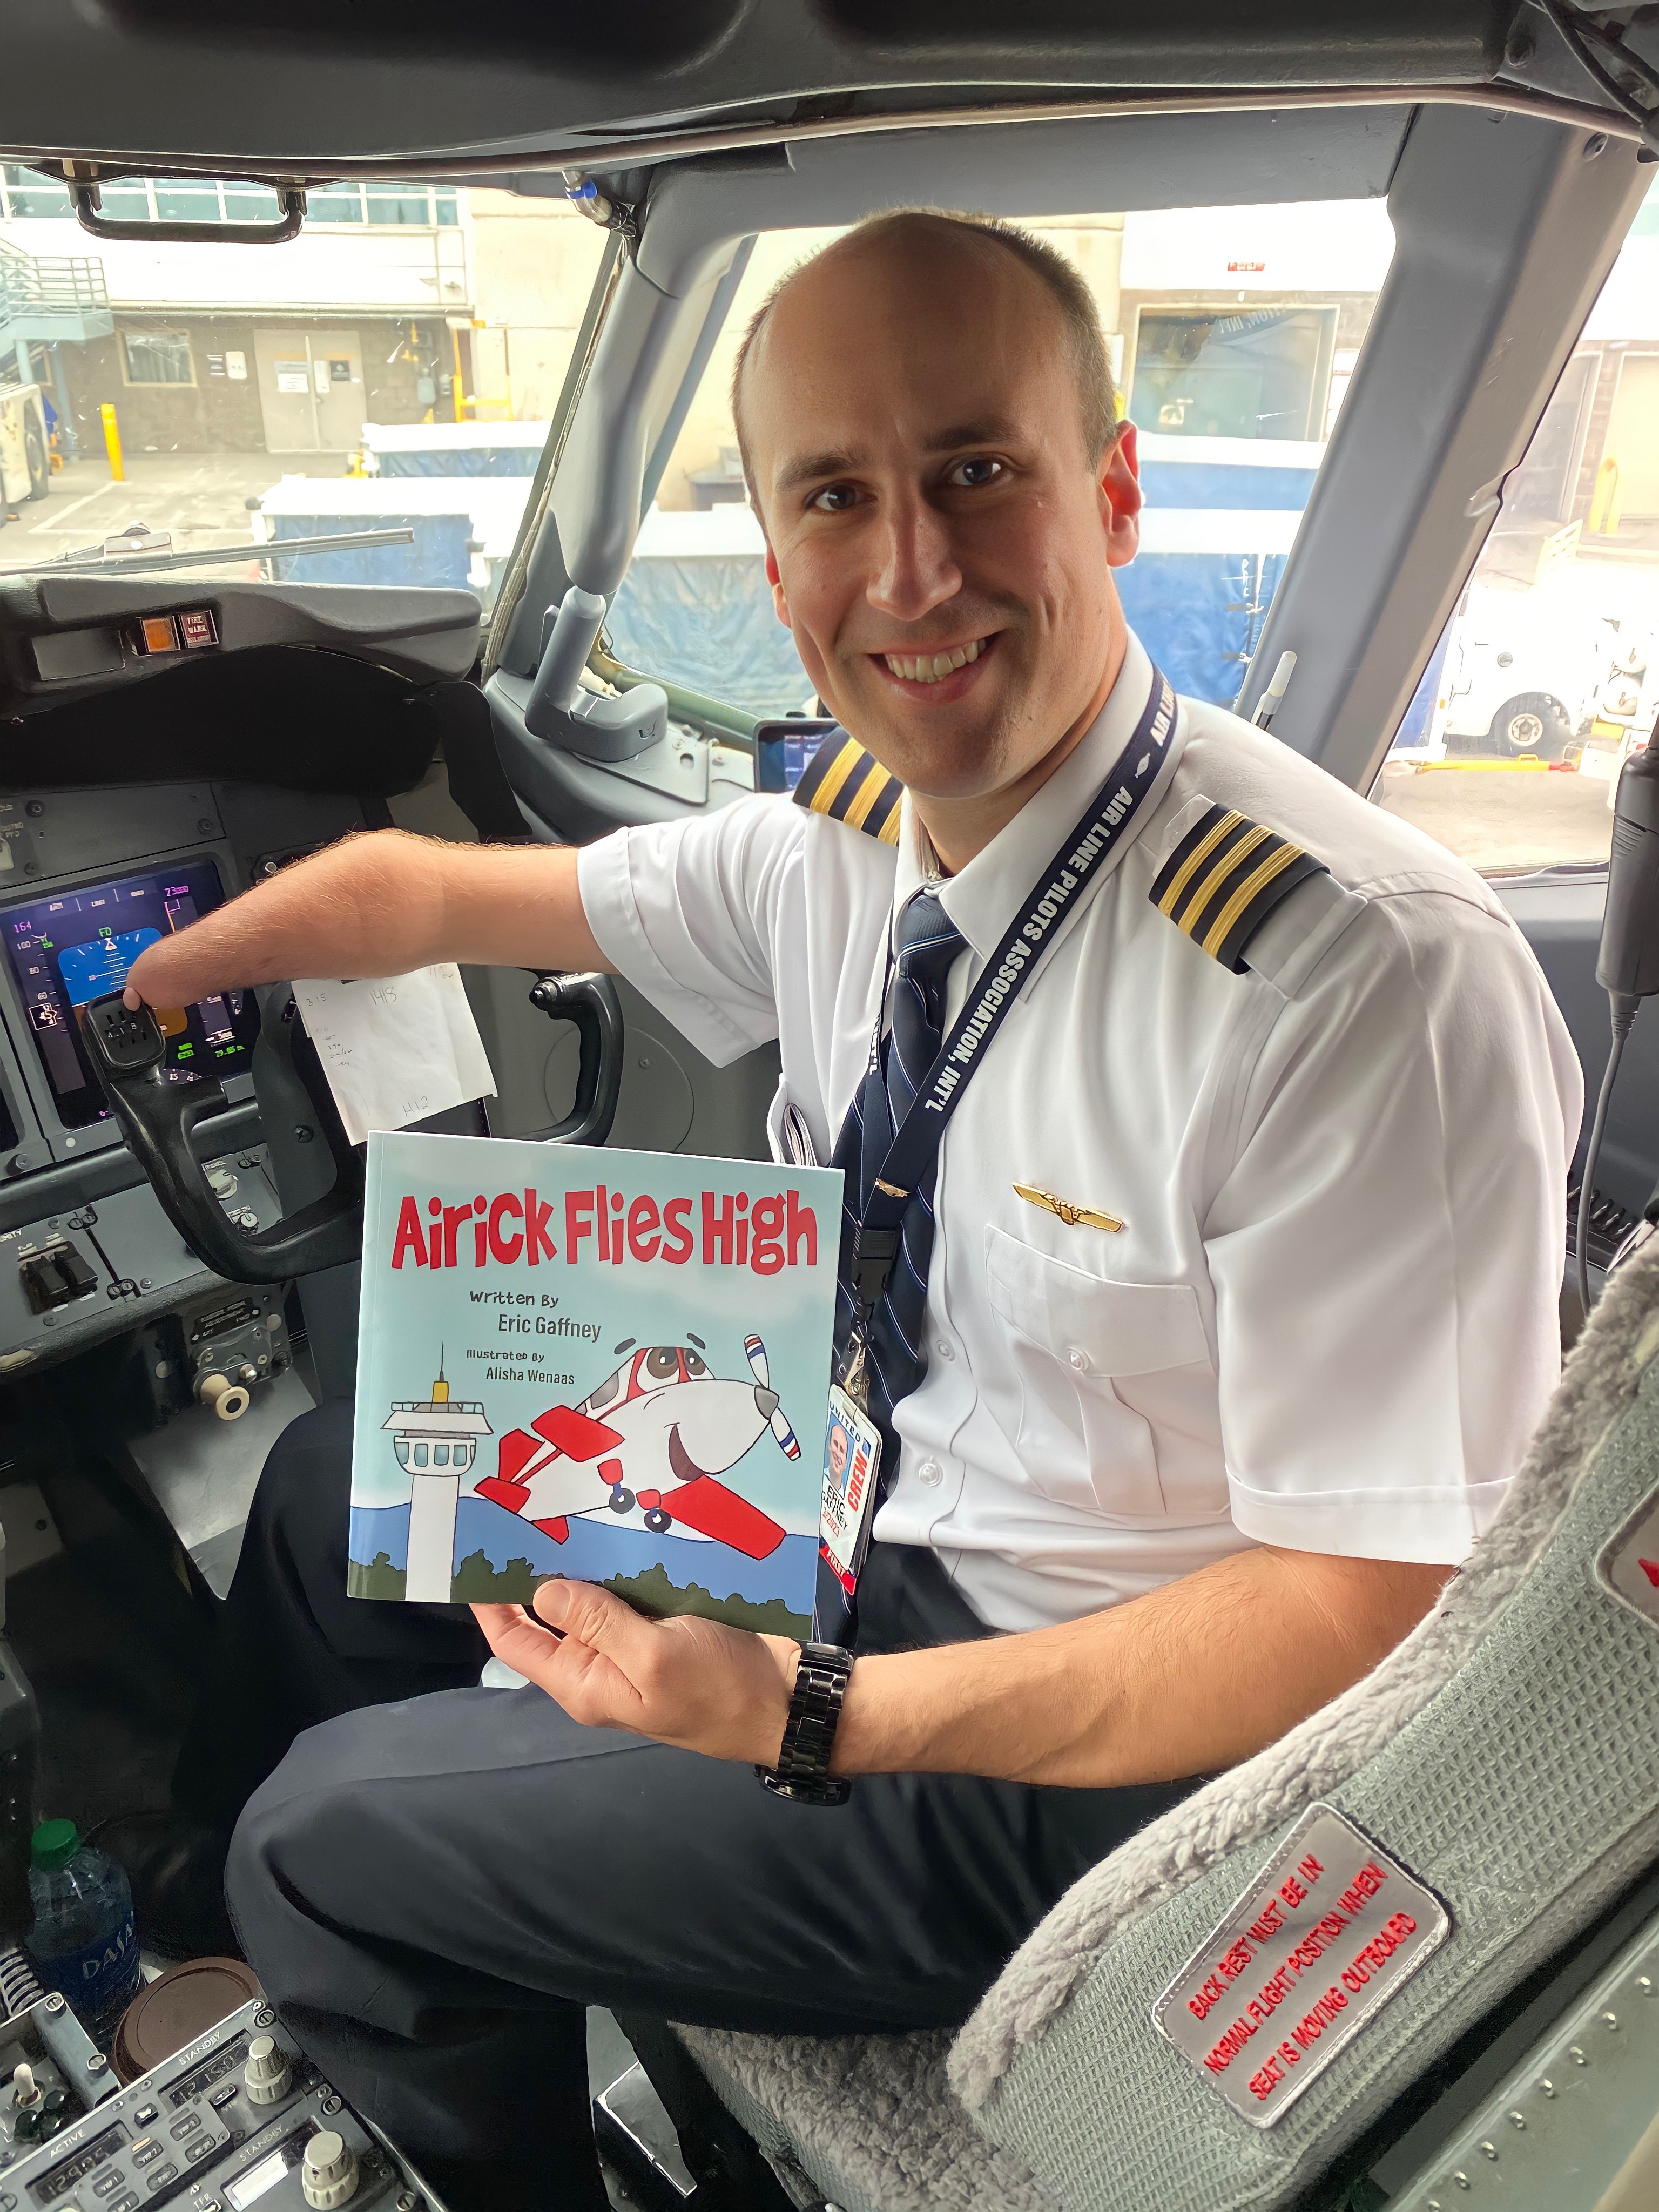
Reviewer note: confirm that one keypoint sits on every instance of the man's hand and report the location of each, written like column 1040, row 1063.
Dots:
column 380, row 903
column 1194, row 1677
column 693, row 1683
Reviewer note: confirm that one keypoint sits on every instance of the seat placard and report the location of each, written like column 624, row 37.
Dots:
column 1628, row 1568
column 1328, row 1931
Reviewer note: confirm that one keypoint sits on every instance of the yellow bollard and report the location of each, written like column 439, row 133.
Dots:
column 113, row 444
column 1604, row 511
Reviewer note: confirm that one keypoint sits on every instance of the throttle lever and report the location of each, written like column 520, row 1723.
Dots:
column 128, row 1053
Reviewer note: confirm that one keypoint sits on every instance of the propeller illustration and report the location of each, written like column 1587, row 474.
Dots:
column 767, row 1398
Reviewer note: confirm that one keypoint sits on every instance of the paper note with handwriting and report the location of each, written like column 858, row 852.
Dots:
column 396, row 1049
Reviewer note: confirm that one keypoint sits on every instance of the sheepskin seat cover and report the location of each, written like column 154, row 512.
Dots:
column 1505, row 1752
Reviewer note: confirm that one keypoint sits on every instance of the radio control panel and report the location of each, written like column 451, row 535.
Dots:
column 237, row 2120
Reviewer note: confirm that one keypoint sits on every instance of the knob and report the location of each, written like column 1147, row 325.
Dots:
column 229, row 1400
column 267, row 2075
column 328, row 2172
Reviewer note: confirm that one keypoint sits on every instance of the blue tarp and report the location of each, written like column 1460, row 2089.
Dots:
column 1192, row 611
column 709, row 625
column 439, row 554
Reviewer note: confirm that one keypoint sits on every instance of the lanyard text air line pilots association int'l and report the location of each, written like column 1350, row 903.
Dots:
column 844, row 1526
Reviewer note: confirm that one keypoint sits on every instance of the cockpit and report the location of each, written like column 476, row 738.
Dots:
column 369, row 461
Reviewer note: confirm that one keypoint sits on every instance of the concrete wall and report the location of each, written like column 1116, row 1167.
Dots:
column 357, row 266
column 533, row 263
column 218, row 414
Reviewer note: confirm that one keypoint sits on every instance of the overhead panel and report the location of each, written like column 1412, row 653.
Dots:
column 314, row 81
column 1029, row 170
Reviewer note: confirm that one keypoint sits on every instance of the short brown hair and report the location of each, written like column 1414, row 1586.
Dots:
column 1096, row 389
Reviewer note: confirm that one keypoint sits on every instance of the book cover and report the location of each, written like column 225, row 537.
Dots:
column 604, row 1364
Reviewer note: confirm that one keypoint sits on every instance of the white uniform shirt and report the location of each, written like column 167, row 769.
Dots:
column 1329, row 1321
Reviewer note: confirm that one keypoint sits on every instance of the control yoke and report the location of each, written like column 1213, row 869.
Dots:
column 590, row 1001
column 128, row 1053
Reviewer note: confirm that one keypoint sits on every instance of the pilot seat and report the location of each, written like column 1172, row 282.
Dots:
column 1497, row 1769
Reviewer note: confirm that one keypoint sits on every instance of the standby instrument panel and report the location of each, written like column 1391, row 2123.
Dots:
column 237, row 2120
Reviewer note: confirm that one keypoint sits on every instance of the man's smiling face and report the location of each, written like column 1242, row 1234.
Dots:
column 940, row 535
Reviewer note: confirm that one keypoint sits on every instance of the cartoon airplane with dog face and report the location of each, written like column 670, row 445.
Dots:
column 657, row 1433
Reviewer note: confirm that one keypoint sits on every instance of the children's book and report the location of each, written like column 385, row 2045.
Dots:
column 609, row 1365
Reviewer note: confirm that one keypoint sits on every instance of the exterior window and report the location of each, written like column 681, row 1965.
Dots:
column 265, row 398
column 1219, row 372
column 187, row 202
column 1547, row 679
column 399, row 207
column 246, row 203
column 339, row 204
column 463, row 1453
column 441, row 1454
column 128, row 202
column 420, row 1455
column 403, row 1451
column 157, row 357
column 30, row 194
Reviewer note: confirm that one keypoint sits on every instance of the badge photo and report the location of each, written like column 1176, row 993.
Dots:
column 852, row 1458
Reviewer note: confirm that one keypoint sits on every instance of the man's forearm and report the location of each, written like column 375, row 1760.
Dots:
column 381, row 904
column 1194, row 1677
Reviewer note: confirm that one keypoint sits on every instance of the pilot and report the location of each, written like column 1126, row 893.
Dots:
column 838, row 1453
column 1219, row 1319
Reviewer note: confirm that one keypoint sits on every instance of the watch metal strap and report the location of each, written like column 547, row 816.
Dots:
column 809, row 1734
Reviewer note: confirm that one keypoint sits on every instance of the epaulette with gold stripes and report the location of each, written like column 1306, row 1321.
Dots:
column 850, row 785
column 1225, row 878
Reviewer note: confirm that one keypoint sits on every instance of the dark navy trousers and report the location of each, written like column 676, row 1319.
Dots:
column 435, row 1880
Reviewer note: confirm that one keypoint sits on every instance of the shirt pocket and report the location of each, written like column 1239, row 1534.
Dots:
column 1117, row 1406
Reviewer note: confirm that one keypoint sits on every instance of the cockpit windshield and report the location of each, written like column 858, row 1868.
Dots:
column 1547, row 677
column 388, row 377
column 1232, row 333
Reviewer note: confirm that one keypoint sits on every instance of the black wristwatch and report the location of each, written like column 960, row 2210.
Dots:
column 809, row 1734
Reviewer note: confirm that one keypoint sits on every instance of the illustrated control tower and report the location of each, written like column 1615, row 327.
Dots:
column 436, row 1439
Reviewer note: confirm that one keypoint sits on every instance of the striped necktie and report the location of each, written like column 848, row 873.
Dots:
column 927, row 941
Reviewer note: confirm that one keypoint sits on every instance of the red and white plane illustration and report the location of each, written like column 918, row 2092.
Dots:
column 656, row 1433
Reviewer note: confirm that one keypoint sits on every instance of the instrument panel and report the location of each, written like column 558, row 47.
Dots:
column 71, row 947
column 86, row 1252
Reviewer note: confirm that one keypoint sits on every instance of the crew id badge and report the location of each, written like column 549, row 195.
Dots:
column 852, row 1454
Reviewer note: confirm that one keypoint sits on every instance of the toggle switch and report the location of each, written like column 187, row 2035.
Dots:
column 55, row 1275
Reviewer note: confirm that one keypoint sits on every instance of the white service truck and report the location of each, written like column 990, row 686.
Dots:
column 1535, row 672
column 24, row 454
column 1527, row 685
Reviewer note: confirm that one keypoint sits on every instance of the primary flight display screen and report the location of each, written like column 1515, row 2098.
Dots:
column 78, row 945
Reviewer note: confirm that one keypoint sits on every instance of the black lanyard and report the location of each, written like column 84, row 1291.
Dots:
column 1102, row 826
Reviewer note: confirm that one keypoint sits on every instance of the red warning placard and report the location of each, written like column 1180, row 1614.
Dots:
column 1327, row 1934
column 1628, row 1568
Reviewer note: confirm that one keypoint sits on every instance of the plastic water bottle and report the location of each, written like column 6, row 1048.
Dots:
column 83, row 1941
